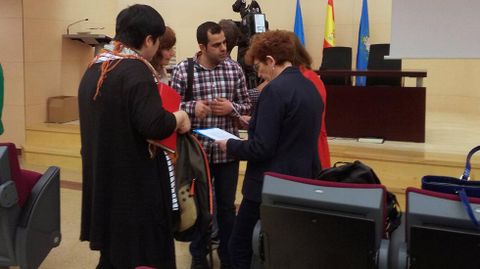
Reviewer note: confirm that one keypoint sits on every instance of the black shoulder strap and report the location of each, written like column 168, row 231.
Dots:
column 188, row 93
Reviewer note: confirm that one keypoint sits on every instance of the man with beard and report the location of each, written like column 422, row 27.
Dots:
column 217, row 98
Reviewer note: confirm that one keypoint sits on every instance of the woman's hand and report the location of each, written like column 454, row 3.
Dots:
column 183, row 122
column 245, row 119
column 222, row 144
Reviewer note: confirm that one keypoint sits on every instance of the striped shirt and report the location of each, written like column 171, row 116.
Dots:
column 226, row 80
column 171, row 176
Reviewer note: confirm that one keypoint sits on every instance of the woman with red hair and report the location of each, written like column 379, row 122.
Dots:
column 282, row 133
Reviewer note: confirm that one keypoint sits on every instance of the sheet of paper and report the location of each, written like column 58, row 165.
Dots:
column 216, row 134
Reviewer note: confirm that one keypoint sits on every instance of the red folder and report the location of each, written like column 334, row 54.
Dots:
column 171, row 102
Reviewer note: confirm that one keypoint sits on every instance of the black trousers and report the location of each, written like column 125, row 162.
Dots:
column 226, row 178
column 241, row 239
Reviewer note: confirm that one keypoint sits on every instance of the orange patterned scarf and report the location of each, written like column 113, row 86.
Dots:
column 111, row 55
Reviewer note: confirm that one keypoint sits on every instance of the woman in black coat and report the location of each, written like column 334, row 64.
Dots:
column 126, row 199
column 282, row 133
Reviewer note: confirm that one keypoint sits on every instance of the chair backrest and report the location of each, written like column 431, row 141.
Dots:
column 439, row 233
column 13, row 159
column 336, row 58
column 4, row 165
column 377, row 61
column 24, row 179
column 328, row 224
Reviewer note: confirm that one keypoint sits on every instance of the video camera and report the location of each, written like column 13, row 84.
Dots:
column 253, row 22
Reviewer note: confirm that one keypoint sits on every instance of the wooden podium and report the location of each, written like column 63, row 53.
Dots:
column 95, row 40
column 390, row 112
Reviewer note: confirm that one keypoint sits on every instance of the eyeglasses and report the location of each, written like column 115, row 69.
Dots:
column 255, row 66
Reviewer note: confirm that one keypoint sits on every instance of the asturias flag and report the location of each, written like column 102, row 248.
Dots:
column 298, row 27
column 363, row 45
column 329, row 39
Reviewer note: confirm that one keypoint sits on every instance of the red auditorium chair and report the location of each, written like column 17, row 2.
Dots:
column 29, row 212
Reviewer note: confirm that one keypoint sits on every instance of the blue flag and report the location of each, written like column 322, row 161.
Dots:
column 363, row 45
column 298, row 27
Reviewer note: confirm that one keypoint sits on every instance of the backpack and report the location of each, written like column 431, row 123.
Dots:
column 358, row 172
column 193, row 187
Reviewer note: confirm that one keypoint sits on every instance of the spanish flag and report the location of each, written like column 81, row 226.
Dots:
column 329, row 39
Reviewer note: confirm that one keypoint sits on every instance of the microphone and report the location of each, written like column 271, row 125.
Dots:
column 238, row 5
column 73, row 23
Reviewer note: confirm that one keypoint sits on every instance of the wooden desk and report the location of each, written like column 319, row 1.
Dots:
column 389, row 112
column 418, row 74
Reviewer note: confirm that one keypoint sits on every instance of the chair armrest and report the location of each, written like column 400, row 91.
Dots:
column 256, row 239
column 9, row 215
column 38, row 230
column 397, row 251
column 382, row 259
column 45, row 197
column 8, row 194
column 258, row 257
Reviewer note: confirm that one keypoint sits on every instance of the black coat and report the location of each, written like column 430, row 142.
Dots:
column 126, row 203
column 283, row 132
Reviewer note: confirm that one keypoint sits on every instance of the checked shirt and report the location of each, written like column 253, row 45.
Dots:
column 226, row 80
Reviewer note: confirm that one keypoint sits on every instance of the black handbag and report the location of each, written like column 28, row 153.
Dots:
column 360, row 173
column 346, row 172
column 463, row 186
